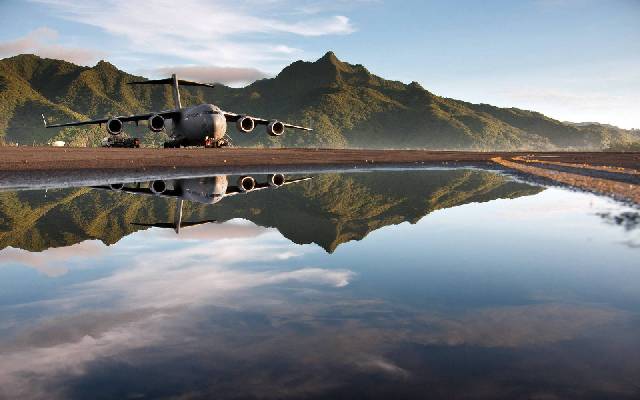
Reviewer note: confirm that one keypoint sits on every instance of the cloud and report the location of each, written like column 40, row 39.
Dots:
column 221, row 33
column 52, row 262
column 234, row 229
column 42, row 42
column 580, row 105
column 223, row 294
column 226, row 75
column 146, row 302
column 518, row 326
column 24, row 370
column 202, row 267
column 201, row 273
column 337, row 25
column 379, row 364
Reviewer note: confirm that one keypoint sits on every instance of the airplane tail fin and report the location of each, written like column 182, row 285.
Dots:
column 173, row 81
column 177, row 217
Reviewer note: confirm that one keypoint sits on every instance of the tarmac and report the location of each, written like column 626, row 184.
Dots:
column 615, row 174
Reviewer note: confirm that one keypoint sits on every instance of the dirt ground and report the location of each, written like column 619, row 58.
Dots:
column 613, row 174
column 51, row 158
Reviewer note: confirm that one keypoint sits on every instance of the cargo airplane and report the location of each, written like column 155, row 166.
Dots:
column 208, row 190
column 201, row 125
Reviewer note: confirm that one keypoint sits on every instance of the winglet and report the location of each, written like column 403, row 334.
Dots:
column 44, row 120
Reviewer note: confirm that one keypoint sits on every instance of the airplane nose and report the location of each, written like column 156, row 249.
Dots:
column 218, row 126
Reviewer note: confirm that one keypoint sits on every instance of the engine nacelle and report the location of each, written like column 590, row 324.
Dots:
column 158, row 187
column 245, row 124
column 275, row 128
column 156, row 123
column 276, row 180
column 246, row 183
column 117, row 186
column 114, row 126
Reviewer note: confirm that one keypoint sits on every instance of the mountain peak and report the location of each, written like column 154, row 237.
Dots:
column 329, row 56
column 330, row 59
column 105, row 65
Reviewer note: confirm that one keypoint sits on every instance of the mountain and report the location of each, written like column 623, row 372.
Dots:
column 328, row 210
column 346, row 104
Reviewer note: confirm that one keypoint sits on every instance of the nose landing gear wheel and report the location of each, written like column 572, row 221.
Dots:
column 217, row 143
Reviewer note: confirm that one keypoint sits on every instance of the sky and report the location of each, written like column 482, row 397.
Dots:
column 573, row 60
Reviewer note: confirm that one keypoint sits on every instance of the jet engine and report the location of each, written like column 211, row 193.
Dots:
column 158, row 187
column 246, row 183
column 245, row 124
column 276, row 180
column 156, row 123
column 116, row 186
column 275, row 128
column 114, row 126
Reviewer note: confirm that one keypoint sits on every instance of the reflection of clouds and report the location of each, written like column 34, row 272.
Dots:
column 53, row 262
column 213, row 231
column 151, row 284
column 151, row 289
column 221, row 305
column 264, row 345
column 201, row 270
column 25, row 373
column 518, row 326
column 556, row 204
column 379, row 364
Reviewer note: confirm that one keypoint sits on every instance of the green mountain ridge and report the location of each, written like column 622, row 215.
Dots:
column 345, row 104
column 329, row 210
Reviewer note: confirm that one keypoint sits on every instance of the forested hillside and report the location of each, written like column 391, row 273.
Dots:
column 345, row 104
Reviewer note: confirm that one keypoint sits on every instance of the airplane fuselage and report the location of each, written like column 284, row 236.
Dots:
column 203, row 190
column 197, row 124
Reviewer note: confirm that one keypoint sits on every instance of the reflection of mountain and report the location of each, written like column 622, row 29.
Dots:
column 329, row 210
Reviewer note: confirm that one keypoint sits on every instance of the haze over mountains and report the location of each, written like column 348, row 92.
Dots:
column 345, row 104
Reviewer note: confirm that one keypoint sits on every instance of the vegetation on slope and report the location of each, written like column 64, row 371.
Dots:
column 345, row 104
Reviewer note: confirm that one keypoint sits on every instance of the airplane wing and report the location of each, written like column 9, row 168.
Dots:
column 123, row 118
column 173, row 225
column 141, row 190
column 233, row 190
column 181, row 82
column 233, row 117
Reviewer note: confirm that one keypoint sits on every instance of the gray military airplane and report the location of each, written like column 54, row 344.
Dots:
column 201, row 125
column 209, row 190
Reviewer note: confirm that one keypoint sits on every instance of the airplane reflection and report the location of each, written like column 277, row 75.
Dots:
column 208, row 190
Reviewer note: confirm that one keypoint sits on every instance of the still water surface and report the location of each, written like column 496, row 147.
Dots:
column 439, row 284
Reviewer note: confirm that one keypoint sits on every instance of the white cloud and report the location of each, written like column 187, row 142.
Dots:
column 379, row 364
column 204, row 271
column 209, row 267
column 213, row 231
column 42, row 42
column 579, row 105
column 220, row 33
column 226, row 75
column 52, row 262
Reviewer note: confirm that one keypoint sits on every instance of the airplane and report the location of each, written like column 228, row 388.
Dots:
column 208, row 190
column 200, row 125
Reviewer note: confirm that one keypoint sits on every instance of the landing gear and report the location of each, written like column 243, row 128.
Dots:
column 208, row 142
column 217, row 143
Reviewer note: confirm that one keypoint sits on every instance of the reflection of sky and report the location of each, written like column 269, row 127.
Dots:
column 535, row 296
